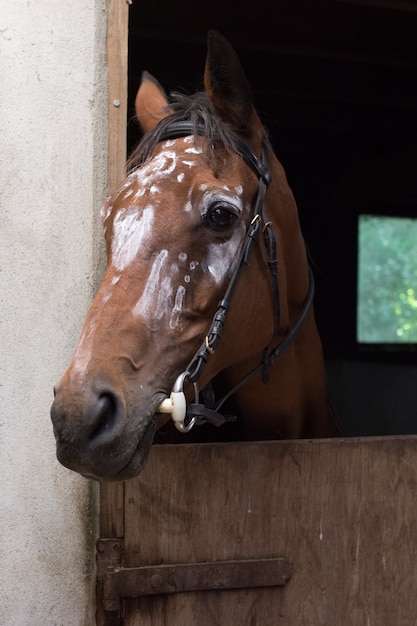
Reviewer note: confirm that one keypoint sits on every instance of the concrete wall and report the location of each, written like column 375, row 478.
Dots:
column 53, row 173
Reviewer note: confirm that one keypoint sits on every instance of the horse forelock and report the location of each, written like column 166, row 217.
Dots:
column 197, row 109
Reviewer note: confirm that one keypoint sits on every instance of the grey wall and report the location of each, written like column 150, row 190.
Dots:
column 53, row 172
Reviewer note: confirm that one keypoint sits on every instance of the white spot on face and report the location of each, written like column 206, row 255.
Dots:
column 168, row 143
column 154, row 301
column 194, row 150
column 186, row 278
column 130, row 229
column 151, row 173
column 177, row 310
column 140, row 192
column 180, row 177
column 239, row 190
column 126, row 184
column 222, row 257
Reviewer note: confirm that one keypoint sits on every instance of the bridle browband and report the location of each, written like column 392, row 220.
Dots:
column 197, row 413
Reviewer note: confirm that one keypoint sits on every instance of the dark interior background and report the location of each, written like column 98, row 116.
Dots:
column 335, row 83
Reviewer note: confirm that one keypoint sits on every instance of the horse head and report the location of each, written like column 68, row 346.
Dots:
column 175, row 230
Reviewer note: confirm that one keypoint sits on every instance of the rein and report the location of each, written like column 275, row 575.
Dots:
column 197, row 413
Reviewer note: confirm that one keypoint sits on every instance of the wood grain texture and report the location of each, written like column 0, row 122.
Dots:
column 117, row 61
column 343, row 512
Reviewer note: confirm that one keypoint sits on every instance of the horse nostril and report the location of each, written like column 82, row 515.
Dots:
column 105, row 419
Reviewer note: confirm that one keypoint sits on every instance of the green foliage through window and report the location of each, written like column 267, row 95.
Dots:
column 387, row 280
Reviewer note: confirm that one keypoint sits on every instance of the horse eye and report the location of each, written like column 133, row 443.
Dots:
column 220, row 217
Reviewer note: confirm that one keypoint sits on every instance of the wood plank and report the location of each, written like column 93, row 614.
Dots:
column 343, row 513
column 111, row 510
column 112, row 495
column 117, row 61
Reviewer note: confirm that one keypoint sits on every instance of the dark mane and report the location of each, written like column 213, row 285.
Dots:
column 197, row 109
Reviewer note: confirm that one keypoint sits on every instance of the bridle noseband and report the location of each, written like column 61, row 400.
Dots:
column 185, row 417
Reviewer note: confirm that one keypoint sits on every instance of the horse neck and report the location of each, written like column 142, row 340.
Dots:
column 294, row 402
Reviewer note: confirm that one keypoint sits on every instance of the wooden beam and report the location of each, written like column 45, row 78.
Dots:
column 112, row 494
column 117, row 58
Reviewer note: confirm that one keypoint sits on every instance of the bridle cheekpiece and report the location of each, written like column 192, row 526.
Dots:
column 186, row 417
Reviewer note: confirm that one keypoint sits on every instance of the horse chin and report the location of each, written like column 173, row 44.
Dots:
column 138, row 460
column 132, row 468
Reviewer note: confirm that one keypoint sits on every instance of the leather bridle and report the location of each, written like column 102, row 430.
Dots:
column 199, row 413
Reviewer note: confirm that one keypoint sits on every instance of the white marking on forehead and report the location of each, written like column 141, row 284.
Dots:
column 188, row 139
column 126, row 184
column 140, row 192
column 177, row 310
column 168, row 143
column 194, row 150
column 154, row 300
column 190, row 163
column 130, row 230
column 180, row 177
column 152, row 172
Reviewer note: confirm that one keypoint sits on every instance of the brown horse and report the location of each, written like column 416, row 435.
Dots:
column 207, row 280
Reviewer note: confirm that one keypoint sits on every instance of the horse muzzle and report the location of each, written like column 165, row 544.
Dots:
column 94, row 436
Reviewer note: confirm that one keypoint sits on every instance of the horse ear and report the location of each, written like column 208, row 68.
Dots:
column 228, row 89
column 151, row 102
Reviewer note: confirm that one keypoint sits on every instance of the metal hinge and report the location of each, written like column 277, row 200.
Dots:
column 120, row 582
column 109, row 554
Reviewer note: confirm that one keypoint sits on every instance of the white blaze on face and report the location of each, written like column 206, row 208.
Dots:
column 131, row 228
column 155, row 299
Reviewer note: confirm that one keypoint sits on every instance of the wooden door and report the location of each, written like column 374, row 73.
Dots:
column 327, row 532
